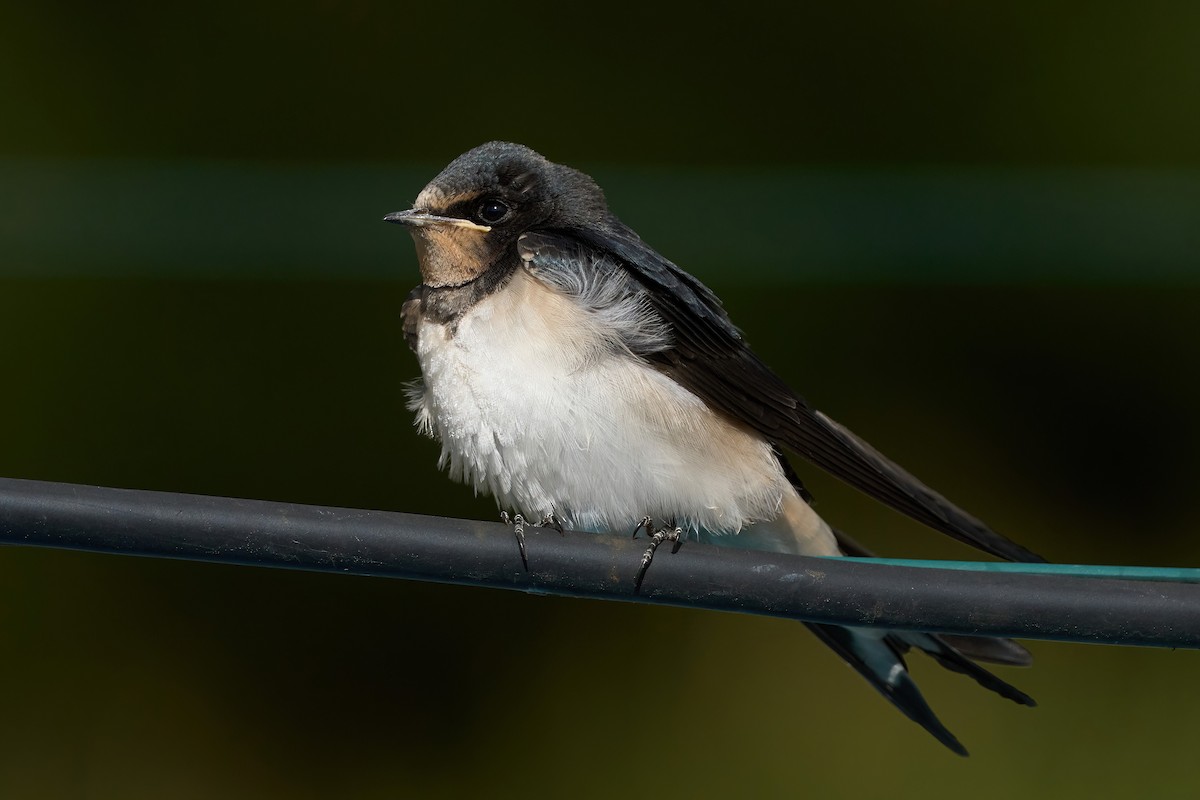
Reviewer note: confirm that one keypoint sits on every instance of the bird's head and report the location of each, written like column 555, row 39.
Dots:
column 468, row 219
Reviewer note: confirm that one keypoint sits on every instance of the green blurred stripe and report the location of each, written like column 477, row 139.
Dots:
column 230, row 219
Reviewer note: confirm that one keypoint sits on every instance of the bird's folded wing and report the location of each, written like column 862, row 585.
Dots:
column 708, row 355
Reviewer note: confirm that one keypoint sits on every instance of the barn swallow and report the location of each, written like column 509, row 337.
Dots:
column 651, row 408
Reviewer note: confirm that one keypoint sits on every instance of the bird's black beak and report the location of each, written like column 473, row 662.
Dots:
column 410, row 217
column 415, row 218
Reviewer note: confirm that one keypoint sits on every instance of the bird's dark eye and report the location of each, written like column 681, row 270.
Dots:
column 492, row 211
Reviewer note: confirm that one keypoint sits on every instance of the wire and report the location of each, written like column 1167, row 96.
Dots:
column 1170, row 574
column 844, row 591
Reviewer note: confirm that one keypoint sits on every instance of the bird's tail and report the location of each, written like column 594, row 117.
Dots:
column 879, row 657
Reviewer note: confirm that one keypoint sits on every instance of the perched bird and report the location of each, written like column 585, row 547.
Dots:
column 650, row 407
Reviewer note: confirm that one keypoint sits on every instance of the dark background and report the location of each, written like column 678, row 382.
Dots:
column 967, row 232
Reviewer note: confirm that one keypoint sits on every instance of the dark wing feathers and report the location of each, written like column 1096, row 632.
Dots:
column 709, row 356
column 869, row 470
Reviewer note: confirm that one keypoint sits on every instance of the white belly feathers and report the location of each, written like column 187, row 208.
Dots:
column 533, row 403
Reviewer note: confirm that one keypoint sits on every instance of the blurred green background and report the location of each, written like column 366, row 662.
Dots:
column 969, row 232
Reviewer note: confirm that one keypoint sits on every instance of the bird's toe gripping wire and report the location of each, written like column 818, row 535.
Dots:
column 668, row 533
column 518, row 524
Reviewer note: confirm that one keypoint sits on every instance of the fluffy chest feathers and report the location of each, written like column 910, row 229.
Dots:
column 536, row 401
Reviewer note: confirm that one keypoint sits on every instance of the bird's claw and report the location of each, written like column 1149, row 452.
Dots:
column 646, row 523
column 551, row 520
column 673, row 534
column 518, row 525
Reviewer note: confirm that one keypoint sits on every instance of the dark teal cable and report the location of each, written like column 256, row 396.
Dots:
column 1173, row 574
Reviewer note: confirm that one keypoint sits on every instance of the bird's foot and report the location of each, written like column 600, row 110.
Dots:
column 670, row 533
column 551, row 520
column 518, row 524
